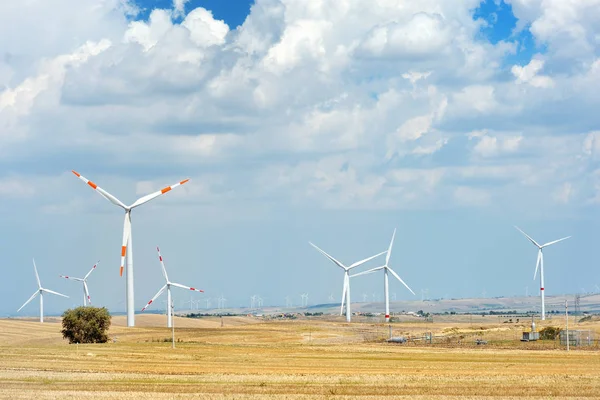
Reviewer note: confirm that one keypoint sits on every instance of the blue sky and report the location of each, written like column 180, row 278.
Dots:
column 298, row 123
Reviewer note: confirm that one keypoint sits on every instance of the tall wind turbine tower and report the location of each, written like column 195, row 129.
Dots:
column 386, row 269
column 346, row 288
column 540, row 263
column 127, row 243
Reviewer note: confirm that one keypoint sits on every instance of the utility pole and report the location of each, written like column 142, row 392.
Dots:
column 567, row 315
column 172, row 324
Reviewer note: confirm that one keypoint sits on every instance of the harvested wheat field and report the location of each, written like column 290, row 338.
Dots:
column 249, row 358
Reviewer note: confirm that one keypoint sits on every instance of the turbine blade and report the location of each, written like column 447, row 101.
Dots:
column 101, row 191
column 555, row 241
column 333, row 260
column 71, row 278
column 162, row 289
column 53, row 292
column 92, row 270
column 37, row 277
column 87, row 292
column 31, row 298
column 370, row 271
column 162, row 264
column 537, row 263
column 344, row 290
column 154, row 195
column 389, row 252
column 361, row 262
column 528, row 237
column 126, row 233
column 186, row 287
column 400, row 279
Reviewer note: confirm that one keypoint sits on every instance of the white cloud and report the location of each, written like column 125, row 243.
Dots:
column 179, row 7
column 423, row 35
column 569, row 28
column 325, row 99
column 591, row 144
column 529, row 74
column 489, row 146
column 478, row 98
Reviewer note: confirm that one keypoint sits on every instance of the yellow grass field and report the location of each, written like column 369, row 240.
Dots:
column 249, row 358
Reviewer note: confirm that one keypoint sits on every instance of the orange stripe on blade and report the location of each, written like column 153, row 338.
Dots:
column 183, row 181
column 165, row 190
column 75, row 172
column 92, row 184
column 123, row 251
column 121, row 272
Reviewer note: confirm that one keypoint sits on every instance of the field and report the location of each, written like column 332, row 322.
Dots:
column 249, row 358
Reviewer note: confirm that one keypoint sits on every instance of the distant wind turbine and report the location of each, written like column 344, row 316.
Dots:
column 386, row 268
column 346, row 288
column 40, row 291
column 87, row 300
column 167, row 286
column 540, row 264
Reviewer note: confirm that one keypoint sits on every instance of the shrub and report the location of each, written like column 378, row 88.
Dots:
column 86, row 325
column 549, row 333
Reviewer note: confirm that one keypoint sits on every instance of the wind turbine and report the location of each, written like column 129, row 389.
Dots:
column 346, row 288
column 86, row 293
column 40, row 291
column 221, row 301
column 127, row 245
column 385, row 269
column 168, row 287
column 540, row 263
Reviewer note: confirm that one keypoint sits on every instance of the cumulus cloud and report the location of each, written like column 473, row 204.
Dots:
column 332, row 103
column 488, row 146
column 529, row 74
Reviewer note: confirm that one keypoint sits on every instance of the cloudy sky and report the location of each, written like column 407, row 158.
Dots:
column 334, row 121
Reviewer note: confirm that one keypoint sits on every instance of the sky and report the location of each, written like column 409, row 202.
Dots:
column 331, row 121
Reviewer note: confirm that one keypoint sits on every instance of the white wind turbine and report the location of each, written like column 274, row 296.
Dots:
column 86, row 293
column 168, row 288
column 346, row 288
column 540, row 263
column 127, row 245
column 40, row 291
column 385, row 269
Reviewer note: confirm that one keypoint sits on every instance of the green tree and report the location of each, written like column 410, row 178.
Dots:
column 549, row 333
column 86, row 325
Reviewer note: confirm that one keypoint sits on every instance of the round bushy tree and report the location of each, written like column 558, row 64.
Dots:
column 86, row 325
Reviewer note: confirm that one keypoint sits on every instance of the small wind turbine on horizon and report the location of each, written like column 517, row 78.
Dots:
column 87, row 300
column 540, row 264
column 304, row 297
column 168, row 288
column 127, row 244
column 386, row 268
column 221, row 302
column 40, row 292
column 346, row 288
